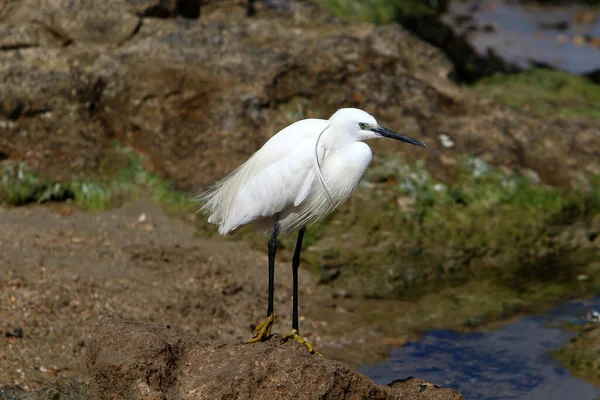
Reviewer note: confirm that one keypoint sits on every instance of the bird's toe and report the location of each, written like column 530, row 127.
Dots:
column 263, row 330
column 296, row 336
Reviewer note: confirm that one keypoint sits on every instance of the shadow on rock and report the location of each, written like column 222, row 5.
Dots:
column 151, row 361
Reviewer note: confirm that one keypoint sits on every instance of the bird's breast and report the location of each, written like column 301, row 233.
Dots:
column 344, row 168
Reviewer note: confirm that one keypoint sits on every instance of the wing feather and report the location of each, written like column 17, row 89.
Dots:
column 305, row 190
column 276, row 176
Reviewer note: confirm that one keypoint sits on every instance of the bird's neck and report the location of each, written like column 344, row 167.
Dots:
column 334, row 140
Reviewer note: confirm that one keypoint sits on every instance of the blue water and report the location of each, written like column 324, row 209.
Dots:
column 519, row 38
column 512, row 362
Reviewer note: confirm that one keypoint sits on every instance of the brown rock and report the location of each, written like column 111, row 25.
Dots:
column 199, row 96
column 135, row 360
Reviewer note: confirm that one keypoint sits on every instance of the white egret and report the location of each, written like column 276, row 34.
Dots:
column 299, row 176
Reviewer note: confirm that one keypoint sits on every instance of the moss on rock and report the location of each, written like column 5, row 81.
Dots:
column 582, row 354
column 377, row 11
column 403, row 233
column 544, row 92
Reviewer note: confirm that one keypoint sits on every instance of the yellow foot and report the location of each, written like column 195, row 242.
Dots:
column 294, row 335
column 263, row 331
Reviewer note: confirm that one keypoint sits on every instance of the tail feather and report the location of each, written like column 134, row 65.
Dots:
column 219, row 199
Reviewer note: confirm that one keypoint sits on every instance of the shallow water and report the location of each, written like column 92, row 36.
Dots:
column 516, row 32
column 512, row 362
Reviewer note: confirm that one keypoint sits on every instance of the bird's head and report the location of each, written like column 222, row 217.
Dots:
column 361, row 125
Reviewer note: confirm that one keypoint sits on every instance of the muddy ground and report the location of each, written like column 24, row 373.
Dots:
column 62, row 269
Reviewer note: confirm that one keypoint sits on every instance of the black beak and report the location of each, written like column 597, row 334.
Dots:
column 394, row 135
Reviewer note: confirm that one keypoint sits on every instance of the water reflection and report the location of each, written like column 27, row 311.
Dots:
column 513, row 362
column 565, row 37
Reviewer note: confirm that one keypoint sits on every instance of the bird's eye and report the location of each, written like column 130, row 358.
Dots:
column 361, row 125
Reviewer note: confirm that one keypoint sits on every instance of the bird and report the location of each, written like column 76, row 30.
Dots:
column 299, row 176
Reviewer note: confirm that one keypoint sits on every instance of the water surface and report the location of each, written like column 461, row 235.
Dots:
column 512, row 362
column 520, row 34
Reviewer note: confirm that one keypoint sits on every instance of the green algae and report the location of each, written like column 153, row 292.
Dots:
column 122, row 177
column 582, row 354
column 545, row 93
column 377, row 11
column 404, row 234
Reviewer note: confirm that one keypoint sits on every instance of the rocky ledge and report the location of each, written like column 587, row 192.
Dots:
column 198, row 96
column 135, row 360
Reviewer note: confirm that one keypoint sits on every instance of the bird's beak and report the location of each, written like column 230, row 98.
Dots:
column 383, row 131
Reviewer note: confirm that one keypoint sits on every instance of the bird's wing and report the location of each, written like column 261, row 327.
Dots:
column 277, row 176
column 305, row 188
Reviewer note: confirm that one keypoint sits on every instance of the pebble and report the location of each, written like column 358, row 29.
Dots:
column 583, row 277
column 16, row 332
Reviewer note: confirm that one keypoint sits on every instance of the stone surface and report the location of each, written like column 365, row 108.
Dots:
column 151, row 361
column 200, row 95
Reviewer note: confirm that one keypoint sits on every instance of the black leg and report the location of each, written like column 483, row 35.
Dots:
column 272, row 251
column 295, row 265
column 295, row 334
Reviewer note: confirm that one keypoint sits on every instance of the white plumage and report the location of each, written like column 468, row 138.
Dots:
column 299, row 176
column 281, row 180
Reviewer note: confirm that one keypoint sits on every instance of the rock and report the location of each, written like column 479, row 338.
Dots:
column 198, row 96
column 582, row 354
column 470, row 65
column 16, row 333
column 136, row 360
